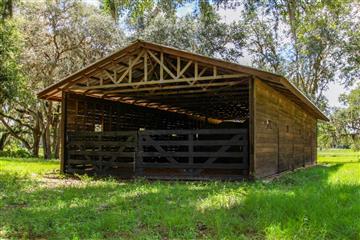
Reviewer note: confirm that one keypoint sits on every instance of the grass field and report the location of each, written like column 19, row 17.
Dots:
column 322, row 202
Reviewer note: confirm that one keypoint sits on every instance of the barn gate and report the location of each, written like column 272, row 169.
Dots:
column 160, row 154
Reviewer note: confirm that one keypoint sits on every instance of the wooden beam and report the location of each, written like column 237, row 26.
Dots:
column 178, row 66
column 162, row 66
column 202, row 71
column 130, row 70
column 196, row 71
column 168, row 81
column 185, row 68
column 91, row 69
column 63, row 131
column 175, row 87
column 189, row 92
column 145, row 68
column 141, row 54
column 110, row 76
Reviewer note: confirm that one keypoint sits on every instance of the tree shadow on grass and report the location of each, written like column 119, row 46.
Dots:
column 301, row 205
column 99, row 209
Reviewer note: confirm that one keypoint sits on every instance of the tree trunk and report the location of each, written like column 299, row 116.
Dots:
column 3, row 139
column 56, row 132
column 16, row 135
column 36, row 146
column 36, row 139
column 57, row 139
column 47, row 143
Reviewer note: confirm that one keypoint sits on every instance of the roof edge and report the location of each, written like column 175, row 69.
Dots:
column 224, row 64
column 82, row 71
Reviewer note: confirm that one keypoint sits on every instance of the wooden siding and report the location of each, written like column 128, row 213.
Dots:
column 284, row 134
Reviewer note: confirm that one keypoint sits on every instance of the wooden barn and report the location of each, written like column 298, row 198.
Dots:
column 158, row 112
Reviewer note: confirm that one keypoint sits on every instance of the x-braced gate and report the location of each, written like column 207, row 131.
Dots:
column 192, row 154
column 165, row 154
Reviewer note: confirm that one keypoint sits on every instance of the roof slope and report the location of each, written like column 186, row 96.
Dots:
column 278, row 82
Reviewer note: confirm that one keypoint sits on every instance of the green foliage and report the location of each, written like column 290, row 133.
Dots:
column 10, row 46
column 344, row 127
column 310, row 42
column 59, row 37
column 196, row 33
column 318, row 203
column 6, row 9
column 135, row 11
column 15, row 150
column 350, row 116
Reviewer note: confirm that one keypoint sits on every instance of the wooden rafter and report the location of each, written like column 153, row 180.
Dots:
column 176, row 87
column 206, row 67
column 170, row 81
column 178, row 80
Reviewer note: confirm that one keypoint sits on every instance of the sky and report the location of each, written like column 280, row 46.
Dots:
column 229, row 15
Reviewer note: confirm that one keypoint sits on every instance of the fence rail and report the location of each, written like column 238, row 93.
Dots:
column 101, row 152
column 166, row 154
column 192, row 153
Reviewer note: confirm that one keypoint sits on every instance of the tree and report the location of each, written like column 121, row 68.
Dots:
column 10, row 74
column 196, row 33
column 202, row 31
column 6, row 9
column 343, row 130
column 60, row 37
column 350, row 116
column 310, row 42
column 136, row 11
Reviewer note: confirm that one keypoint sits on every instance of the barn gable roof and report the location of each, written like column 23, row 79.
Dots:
column 117, row 76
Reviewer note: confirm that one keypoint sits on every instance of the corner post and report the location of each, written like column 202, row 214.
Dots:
column 63, row 132
column 251, row 131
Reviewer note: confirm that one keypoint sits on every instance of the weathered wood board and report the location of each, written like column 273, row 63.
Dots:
column 284, row 134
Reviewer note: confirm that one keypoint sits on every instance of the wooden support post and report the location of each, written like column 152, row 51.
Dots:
column 251, row 137
column 178, row 66
column 202, row 71
column 130, row 66
column 191, row 150
column 185, row 68
column 63, row 133
column 196, row 71
column 110, row 76
column 145, row 68
column 161, row 66
column 130, row 70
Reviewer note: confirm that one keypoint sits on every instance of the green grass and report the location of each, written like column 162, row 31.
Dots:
column 338, row 156
column 322, row 202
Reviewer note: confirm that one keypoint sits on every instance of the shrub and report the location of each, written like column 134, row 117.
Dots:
column 13, row 150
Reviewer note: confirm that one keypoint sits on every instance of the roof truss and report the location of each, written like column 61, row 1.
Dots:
column 146, row 69
column 150, row 72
